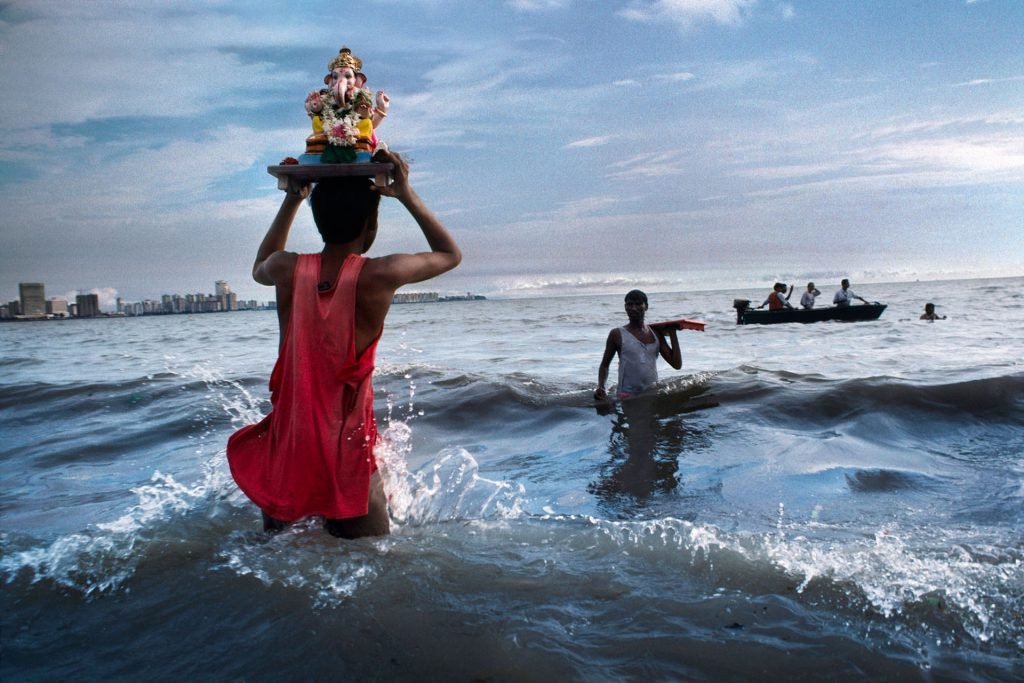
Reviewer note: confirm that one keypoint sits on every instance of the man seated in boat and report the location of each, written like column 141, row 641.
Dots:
column 807, row 300
column 775, row 300
column 845, row 296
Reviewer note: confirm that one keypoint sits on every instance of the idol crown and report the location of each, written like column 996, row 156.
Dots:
column 345, row 59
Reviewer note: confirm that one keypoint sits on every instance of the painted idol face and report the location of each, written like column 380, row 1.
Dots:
column 342, row 82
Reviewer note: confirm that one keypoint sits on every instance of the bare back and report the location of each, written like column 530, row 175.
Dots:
column 378, row 281
column 380, row 277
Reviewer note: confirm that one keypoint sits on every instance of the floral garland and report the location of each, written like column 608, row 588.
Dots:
column 340, row 124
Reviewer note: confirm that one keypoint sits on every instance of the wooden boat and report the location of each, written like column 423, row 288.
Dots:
column 745, row 315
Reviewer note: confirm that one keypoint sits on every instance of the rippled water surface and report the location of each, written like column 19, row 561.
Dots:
column 836, row 501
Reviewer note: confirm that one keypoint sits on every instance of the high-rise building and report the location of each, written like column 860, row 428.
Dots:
column 58, row 308
column 88, row 305
column 33, row 299
column 228, row 299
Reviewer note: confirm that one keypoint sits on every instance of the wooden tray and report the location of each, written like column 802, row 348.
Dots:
column 310, row 173
column 682, row 324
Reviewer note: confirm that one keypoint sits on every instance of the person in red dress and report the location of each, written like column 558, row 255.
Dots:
column 312, row 455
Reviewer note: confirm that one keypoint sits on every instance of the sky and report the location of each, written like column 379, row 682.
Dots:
column 571, row 146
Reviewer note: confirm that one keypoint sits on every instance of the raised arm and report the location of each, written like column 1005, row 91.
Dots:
column 444, row 253
column 270, row 261
column 669, row 351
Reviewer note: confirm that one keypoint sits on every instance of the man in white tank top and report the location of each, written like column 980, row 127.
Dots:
column 638, row 347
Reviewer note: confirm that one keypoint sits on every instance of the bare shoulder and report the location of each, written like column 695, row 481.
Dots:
column 390, row 271
column 377, row 281
column 277, row 269
column 283, row 259
column 376, row 270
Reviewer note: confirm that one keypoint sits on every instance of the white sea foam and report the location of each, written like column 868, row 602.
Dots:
column 297, row 558
column 103, row 557
column 891, row 574
column 447, row 488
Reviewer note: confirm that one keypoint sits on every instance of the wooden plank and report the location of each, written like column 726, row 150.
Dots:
column 682, row 324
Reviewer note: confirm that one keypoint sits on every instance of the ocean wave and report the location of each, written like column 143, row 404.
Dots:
column 798, row 397
column 918, row 580
column 776, row 394
column 76, row 398
column 929, row 581
column 20, row 362
column 103, row 557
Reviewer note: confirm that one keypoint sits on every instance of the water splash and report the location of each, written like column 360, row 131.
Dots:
column 103, row 557
column 894, row 577
column 304, row 557
column 448, row 488
column 240, row 404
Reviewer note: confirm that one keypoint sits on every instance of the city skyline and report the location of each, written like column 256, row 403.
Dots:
column 32, row 302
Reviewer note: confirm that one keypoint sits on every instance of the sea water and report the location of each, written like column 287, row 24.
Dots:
column 835, row 501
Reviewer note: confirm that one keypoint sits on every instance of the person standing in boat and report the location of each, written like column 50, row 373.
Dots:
column 775, row 300
column 845, row 296
column 807, row 300
column 638, row 347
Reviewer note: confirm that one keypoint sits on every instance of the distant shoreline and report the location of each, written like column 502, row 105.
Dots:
column 121, row 316
column 433, row 298
column 411, row 298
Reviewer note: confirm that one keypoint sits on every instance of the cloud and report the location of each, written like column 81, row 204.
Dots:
column 994, row 119
column 584, row 207
column 919, row 161
column 678, row 77
column 143, row 60
column 787, row 171
column 133, row 136
column 688, row 14
column 987, row 81
column 648, row 165
column 986, row 156
column 537, row 5
column 107, row 297
column 596, row 141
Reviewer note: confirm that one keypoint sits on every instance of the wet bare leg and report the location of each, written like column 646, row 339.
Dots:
column 374, row 523
column 272, row 525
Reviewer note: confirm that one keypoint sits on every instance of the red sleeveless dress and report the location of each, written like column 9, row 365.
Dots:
column 313, row 454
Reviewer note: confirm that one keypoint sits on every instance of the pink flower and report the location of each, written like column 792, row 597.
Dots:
column 314, row 103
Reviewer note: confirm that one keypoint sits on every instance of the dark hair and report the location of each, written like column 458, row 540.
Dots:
column 637, row 295
column 343, row 208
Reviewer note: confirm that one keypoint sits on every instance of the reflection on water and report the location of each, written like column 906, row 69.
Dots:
column 649, row 434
